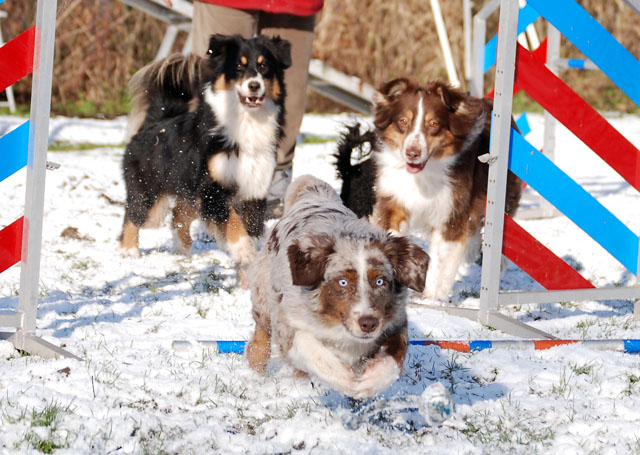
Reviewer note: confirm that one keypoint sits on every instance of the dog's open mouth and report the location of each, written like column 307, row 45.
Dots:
column 414, row 168
column 252, row 101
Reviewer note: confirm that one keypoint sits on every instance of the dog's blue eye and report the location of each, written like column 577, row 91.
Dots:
column 379, row 281
column 343, row 283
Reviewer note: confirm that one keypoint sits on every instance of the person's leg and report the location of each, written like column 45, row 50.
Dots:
column 209, row 19
column 299, row 32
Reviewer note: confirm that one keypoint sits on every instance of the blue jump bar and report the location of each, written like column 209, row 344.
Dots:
column 574, row 201
column 522, row 123
column 594, row 41
column 230, row 347
column 14, row 147
column 576, row 63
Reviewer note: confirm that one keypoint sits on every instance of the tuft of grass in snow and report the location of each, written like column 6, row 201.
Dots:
column 562, row 387
column 452, row 371
column 504, row 431
column 632, row 380
column 44, row 434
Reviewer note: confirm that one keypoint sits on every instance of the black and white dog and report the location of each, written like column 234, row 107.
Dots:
column 204, row 132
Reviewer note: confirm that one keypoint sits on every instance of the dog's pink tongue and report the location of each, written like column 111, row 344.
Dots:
column 415, row 168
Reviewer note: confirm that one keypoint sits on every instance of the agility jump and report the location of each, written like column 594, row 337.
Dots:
column 29, row 53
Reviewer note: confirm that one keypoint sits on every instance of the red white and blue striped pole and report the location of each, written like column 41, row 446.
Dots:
column 629, row 346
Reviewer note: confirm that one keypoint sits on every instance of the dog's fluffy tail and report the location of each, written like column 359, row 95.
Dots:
column 163, row 89
column 357, row 179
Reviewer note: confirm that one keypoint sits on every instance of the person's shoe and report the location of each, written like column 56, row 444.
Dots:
column 275, row 196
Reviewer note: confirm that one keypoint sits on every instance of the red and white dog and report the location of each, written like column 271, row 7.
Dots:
column 424, row 174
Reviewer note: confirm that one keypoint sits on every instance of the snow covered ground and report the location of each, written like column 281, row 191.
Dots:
column 133, row 394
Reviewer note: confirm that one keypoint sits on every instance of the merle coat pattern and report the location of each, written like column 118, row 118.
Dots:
column 330, row 290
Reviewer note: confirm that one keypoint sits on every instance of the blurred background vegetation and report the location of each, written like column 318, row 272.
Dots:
column 101, row 43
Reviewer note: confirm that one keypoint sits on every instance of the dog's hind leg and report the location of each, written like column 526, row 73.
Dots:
column 183, row 215
column 129, row 239
column 135, row 216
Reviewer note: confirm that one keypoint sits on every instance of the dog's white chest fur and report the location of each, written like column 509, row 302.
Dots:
column 427, row 195
column 255, row 132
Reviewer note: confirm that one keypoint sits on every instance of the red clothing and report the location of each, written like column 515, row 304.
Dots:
column 294, row 7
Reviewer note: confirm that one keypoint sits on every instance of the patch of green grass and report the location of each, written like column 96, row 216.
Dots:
column 488, row 429
column 465, row 294
column 586, row 369
column 632, row 380
column 563, row 385
column 47, row 417
column 312, row 139
column 452, row 371
column 22, row 110
column 113, row 105
column 60, row 146
column 524, row 103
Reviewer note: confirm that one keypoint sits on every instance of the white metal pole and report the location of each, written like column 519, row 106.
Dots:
column 549, row 142
column 499, row 158
column 467, row 5
column 37, row 162
column 444, row 43
column 477, row 55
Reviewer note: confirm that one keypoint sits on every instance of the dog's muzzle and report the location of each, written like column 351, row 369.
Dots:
column 252, row 93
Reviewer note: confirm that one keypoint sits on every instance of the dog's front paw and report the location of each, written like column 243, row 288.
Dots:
column 243, row 251
column 132, row 252
column 377, row 377
column 435, row 292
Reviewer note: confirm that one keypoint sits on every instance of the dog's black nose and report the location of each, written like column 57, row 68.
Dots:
column 368, row 323
column 254, row 86
column 413, row 153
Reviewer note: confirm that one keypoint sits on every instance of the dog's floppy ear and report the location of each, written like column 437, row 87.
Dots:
column 221, row 44
column 281, row 50
column 409, row 261
column 390, row 90
column 384, row 97
column 308, row 263
column 450, row 97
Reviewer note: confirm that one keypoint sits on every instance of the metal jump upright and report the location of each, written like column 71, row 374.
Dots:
column 510, row 151
column 36, row 44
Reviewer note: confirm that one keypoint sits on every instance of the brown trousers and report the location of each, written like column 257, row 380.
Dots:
column 209, row 19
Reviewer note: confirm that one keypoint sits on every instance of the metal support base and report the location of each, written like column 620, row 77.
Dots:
column 34, row 345
column 495, row 320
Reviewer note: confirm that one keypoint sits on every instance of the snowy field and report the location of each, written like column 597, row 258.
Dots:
column 133, row 394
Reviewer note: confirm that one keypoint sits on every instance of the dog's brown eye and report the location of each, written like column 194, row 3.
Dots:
column 403, row 123
column 239, row 67
column 262, row 67
column 433, row 124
